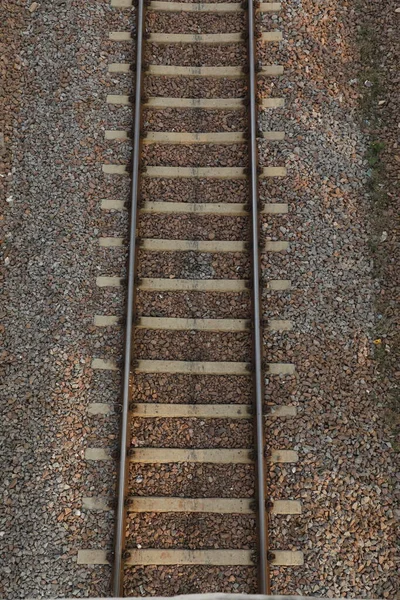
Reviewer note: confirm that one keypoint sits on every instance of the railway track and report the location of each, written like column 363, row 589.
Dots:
column 194, row 362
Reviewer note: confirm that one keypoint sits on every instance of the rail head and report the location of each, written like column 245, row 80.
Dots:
column 258, row 359
column 119, row 544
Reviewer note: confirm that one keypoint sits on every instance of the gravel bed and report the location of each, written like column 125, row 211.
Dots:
column 205, row 305
column 270, row 191
column 116, row 152
column 278, row 87
column 196, row 55
column 274, row 119
column 192, row 389
column 277, row 265
column 202, row 155
column 118, row 83
column 280, row 390
column 111, row 222
column 169, row 581
column 57, row 57
column 199, row 120
column 118, row 117
column 194, row 227
column 192, row 345
column 192, row 481
column 194, row 190
column 282, row 346
column 108, row 341
column 194, row 87
column 103, row 386
column 112, row 261
column 211, row 1
column 345, row 476
column 194, row 23
column 52, row 149
column 106, row 428
column 191, row 531
column 276, row 153
column 191, row 433
column 110, row 300
column 93, row 485
column 276, row 226
column 194, row 265
column 112, row 187
column 95, row 530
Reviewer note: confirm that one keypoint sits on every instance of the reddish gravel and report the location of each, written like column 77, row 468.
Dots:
column 192, row 480
column 194, row 23
column 194, row 120
column 194, row 190
column 194, row 227
column 111, row 298
column 120, row 117
column 195, row 87
column 102, row 388
column 277, row 265
column 192, row 304
column 192, row 345
column 192, row 389
column 191, row 433
column 194, row 265
column 202, row 155
column 169, row 581
column 192, row 531
column 118, row 265
column 196, row 55
column 344, row 343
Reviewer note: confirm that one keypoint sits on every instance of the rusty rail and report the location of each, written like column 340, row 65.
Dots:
column 257, row 331
column 119, row 546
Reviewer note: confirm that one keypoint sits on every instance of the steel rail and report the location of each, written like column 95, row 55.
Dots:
column 257, row 336
column 119, row 545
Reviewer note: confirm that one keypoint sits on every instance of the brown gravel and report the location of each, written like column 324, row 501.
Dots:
column 11, row 78
column 192, row 304
column 191, row 433
column 158, row 22
column 194, row 265
column 117, row 266
column 198, row 120
column 109, row 340
column 275, row 118
column 119, row 117
column 202, row 155
column 195, row 87
column 113, row 299
column 192, row 480
column 211, row 1
column 196, row 55
column 194, row 227
column 169, row 581
column 191, row 531
column 277, row 265
column 112, row 222
column 192, row 389
column 192, row 345
column 346, row 477
column 194, row 190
